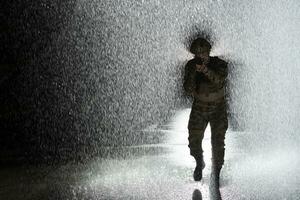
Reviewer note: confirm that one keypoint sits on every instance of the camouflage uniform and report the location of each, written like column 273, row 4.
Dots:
column 209, row 105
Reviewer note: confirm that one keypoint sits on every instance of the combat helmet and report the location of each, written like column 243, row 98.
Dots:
column 198, row 44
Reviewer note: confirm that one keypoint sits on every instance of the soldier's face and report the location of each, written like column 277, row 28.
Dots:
column 203, row 53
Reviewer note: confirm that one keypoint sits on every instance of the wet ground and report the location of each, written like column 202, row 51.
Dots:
column 162, row 171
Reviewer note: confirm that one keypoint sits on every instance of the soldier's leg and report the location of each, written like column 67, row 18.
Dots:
column 219, row 125
column 197, row 125
column 195, row 144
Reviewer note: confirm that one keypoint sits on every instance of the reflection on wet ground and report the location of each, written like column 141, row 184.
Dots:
column 160, row 171
column 197, row 195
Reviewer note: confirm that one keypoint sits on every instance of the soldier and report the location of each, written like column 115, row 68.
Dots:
column 204, row 80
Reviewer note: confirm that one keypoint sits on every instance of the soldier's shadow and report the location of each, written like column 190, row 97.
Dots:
column 197, row 195
column 214, row 194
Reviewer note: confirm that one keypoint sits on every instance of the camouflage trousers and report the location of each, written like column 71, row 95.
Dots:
column 203, row 113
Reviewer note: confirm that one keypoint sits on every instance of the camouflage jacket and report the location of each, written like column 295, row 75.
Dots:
column 198, row 84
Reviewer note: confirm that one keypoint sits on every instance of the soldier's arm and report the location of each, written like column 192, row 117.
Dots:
column 218, row 77
column 189, row 79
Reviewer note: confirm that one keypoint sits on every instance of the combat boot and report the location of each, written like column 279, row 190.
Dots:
column 200, row 164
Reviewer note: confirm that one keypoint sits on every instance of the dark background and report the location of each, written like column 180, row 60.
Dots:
column 49, row 110
column 29, row 129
